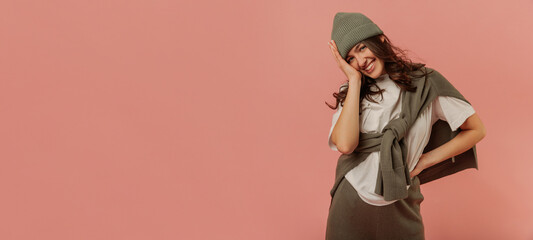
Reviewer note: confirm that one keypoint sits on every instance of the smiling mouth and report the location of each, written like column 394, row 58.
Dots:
column 370, row 66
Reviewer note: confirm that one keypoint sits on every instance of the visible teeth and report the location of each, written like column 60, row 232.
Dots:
column 369, row 66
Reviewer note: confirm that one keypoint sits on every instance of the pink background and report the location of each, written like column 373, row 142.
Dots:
column 206, row 120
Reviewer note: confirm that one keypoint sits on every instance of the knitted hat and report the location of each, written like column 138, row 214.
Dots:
column 351, row 28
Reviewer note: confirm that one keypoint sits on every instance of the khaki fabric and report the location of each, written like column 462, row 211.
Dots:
column 393, row 175
column 350, row 218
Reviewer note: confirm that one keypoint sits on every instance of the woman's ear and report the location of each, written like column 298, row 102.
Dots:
column 382, row 37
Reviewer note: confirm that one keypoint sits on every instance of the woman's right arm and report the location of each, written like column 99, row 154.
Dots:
column 345, row 134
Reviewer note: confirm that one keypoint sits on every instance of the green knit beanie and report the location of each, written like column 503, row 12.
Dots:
column 350, row 29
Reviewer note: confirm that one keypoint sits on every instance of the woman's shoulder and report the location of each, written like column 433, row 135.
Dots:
column 423, row 70
column 436, row 77
column 442, row 85
column 427, row 73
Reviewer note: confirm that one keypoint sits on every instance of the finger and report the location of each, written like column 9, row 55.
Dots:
column 335, row 47
column 336, row 53
column 330, row 46
column 414, row 173
column 331, row 50
column 333, row 53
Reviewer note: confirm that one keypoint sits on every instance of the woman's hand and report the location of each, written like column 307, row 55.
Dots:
column 348, row 70
column 421, row 165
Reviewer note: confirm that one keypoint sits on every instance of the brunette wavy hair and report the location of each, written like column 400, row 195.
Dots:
column 399, row 67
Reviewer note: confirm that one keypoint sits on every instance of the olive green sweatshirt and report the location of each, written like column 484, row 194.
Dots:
column 393, row 174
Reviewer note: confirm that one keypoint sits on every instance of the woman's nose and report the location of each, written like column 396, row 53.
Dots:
column 360, row 62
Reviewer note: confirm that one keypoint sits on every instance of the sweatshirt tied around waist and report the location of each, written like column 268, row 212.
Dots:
column 393, row 175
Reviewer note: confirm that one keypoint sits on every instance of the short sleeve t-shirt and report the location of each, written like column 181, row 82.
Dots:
column 375, row 116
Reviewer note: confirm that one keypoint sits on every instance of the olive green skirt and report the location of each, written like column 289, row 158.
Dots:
column 352, row 218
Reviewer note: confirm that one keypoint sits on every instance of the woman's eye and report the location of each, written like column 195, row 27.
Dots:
column 363, row 47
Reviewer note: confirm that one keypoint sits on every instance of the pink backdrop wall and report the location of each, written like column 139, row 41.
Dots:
column 206, row 120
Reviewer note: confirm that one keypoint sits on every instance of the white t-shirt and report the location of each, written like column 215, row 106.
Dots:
column 375, row 116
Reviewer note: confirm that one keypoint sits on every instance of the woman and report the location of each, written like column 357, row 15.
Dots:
column 405, row 114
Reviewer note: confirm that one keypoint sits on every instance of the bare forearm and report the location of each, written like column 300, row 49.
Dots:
column 463, row 141
column 345, row 134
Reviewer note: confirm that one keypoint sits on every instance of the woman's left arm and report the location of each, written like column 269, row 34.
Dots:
column 472, row 132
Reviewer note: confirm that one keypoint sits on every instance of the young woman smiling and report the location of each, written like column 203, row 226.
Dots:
column 390, row 110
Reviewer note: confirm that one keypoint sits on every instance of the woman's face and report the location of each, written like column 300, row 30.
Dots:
column 363, row 60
